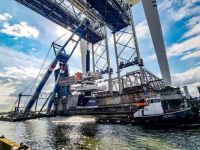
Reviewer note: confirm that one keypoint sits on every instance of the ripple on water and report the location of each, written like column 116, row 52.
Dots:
column 81, row 132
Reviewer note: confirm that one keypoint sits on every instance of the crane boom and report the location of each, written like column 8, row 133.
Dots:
column 55, row 90
column 62, row 71
column 39, row 88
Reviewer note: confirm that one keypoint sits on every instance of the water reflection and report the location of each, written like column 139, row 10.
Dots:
column 81, row 132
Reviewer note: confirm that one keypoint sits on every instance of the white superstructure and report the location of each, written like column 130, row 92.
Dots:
column 83, row 46
column 90, row 86
column 153, row 107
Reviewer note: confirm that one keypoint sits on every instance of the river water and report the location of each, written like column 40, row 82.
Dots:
column 81, row 132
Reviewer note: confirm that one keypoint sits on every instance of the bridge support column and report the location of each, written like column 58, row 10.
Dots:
column 136, row 45
column 93, row 62
column 153, row 20
column 108, row 62
column 117, row 61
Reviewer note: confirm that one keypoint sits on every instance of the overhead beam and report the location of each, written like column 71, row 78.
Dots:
column 61, row 15
column 151, row 12
column 134, row 2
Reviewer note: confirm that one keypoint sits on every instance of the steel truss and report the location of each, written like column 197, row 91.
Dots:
column 101, row 59
column 127, row 50
column 131, row 82
column 151, row 81
column 113, row 14
column 42, row 95
column 100, row 54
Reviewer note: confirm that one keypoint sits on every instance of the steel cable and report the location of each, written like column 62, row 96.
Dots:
column 38, row 75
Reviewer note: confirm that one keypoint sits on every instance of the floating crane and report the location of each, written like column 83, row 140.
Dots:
column 63, row 58
column 115, row 15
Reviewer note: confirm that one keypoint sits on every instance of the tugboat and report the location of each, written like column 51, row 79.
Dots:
column 150, row 112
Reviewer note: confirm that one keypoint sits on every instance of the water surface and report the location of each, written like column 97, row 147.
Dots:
column 81, row 132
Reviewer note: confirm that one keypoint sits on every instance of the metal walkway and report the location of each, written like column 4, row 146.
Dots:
column 112, row 12
column 69, row 13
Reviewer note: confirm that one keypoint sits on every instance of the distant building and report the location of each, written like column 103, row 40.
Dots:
column 187, row 95
column 198, row 87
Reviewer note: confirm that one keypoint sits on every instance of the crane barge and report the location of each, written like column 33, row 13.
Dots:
column 63, row 59
column 118, row 17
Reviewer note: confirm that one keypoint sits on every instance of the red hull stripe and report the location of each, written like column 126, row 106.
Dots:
column 52, row 66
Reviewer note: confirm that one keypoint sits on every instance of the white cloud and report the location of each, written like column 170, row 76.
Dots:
column 189, row 47
column 197, row 64
column 189, row 44
column 191, row 1
column 194, row 31
column 188, row 77
column 152, row 57
column 20, row 30
column 193, row 21
column 14, row 80
column 177, row 10
column 5, row 16
column 191, row 55
column 184, row 11
column 19, row 72
column 194, row 25
column 18, row 58
column 142, row 30
column 33, row 49
column 165, row 4
column 178, row 49
column 16, row 76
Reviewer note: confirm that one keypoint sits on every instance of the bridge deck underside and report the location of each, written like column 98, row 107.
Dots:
column 53, row 11
column 111, row 12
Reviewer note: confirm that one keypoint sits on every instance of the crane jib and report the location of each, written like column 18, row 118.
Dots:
column 35, row 96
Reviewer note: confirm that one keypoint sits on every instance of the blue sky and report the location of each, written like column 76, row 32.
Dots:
column 26, row 38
